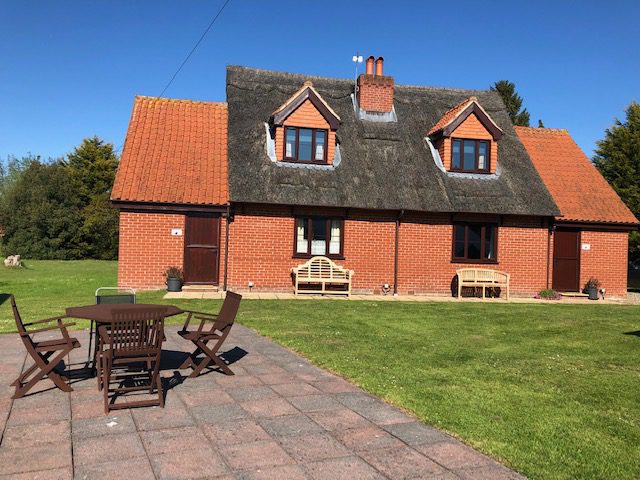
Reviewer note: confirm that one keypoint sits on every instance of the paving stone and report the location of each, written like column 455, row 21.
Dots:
column 157, row 418
column 341, row 419
column 401, row 463
column 315, row 403
column 213, row 396
column 251, row 392
column 345, row 468
column 134, row 468
column 272, row 408
column 335, row 386
column 313, row 446
column 290, row 425
column 36, row 434
column 199, row 462
column 250, row 456
column 232, row 381
column 454, row 455
column 286, row 472
column 367, row 438
column 383, row 414
column 54, row 474
column 42, row 457
column 116, row 424
column 22, row 414
column 108, row 448
column 218, row 413
column 295, row 389
column 278, row 378
column 171, row 440
column 232, row 433
column 417, row 433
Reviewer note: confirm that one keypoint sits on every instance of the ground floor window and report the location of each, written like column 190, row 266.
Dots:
column 318, row 236
column 475, row 242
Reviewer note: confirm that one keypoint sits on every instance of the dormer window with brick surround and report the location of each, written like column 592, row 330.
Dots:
column 467, row 139
column 305, row 128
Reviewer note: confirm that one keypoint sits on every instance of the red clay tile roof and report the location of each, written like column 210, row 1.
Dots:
column 581, row 193
column 175, row 152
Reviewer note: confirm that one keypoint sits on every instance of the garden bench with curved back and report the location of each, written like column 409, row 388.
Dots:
column 320, row 273
column 482, row 278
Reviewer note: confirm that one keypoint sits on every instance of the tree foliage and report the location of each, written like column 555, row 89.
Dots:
column 512, row 101
column 617, row 156
column 61, row 209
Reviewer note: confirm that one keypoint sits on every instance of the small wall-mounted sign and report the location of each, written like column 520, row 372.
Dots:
column 176, row 232
column 586, row 246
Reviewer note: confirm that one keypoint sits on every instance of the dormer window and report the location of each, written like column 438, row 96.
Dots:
column 304, row 128
column 305, row 145
column 470, row 156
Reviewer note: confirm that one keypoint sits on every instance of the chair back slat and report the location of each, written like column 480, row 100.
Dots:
column 22, row 330
column 227, row 314
column 136, row 330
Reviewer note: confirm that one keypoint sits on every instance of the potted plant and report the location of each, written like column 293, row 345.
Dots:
column 173, row 279
column 592, row 288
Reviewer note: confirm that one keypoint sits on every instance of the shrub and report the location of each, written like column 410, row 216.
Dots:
column 173, row 272
column 548, row 294
column 592, row 283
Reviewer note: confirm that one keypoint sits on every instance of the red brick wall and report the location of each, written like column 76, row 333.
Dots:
column 147, row 248
column 375, row 93
column 261, row 248
column 606, row 260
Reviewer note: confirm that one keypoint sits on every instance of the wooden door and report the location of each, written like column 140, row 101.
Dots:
column 566, row 260
column 202, row 249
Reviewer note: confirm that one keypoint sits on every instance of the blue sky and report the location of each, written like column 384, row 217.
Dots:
column 70, row 69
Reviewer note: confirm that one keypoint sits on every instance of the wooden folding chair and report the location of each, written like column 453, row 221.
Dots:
column 220, row 327
column 130, row 349
column 46, row 354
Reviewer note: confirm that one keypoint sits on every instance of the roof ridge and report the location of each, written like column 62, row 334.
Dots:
column 179, row 100
column 543, row 130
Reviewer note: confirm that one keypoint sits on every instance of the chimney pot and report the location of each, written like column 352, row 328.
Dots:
column 370, row 62
column 379, row 71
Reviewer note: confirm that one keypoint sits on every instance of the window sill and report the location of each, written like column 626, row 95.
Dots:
column 483, row 262
column 307, row 257
column 474, row 172
column 306, row 162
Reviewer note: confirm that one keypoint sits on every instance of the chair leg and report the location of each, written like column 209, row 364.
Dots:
column 46, row 370
column 106, row 374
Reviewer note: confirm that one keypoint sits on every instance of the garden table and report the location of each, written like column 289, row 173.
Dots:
column 103, row 313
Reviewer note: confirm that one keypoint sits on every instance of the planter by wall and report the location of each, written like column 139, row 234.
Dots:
column 174, row 284
column 593, row 293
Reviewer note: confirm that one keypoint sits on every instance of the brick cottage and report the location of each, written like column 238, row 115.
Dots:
column 402, row 184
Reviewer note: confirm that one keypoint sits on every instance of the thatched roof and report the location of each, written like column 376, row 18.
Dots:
column 383, row 165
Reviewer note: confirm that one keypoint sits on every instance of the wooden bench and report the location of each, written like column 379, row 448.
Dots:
column 322, row 272
column 482, row 277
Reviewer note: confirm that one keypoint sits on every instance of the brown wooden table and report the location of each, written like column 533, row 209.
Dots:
column 103, row 313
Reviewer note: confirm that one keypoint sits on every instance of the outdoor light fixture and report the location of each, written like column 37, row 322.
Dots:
column 250, row 285
column 386, row 288
column 603, row 290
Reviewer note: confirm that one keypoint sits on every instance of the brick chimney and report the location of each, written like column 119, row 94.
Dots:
column 375, row 91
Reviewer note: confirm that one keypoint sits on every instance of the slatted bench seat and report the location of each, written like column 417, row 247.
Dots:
column 482, row 277
column 320, row 273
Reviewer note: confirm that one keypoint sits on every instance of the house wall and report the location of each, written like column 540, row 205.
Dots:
column 471, row 128
column 606, row 260
column 261, row 251
column 147, row 248
column 306, row 115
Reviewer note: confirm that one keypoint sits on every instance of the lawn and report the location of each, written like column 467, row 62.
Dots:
column 551, row 390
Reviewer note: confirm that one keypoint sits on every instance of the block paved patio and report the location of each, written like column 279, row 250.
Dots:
column 279, row 417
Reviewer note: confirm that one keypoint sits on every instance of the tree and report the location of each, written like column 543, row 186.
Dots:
column 540, row 124
column 512, row 101
column 40, row 212
column 617, row 156
column 93, row 166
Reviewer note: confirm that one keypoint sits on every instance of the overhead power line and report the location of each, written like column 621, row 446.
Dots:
column 195, row 47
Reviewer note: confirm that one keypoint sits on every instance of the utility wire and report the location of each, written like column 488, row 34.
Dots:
column 194, row 48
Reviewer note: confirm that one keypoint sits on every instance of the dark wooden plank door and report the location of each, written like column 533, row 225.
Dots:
column 566, row 260
column 202, row 249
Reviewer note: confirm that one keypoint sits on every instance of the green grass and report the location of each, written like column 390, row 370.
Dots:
column 551, row 390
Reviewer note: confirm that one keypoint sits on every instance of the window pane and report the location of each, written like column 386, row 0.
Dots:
column 458, row 241
column 304, row 147
column 302, row 235
column 473, row 237
column 482, row 156
column 320, row 144
column 469, row 155
column 456, row 154
column 334, row 243
column 319, row 240
column 489, row 242
column 290, row 143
